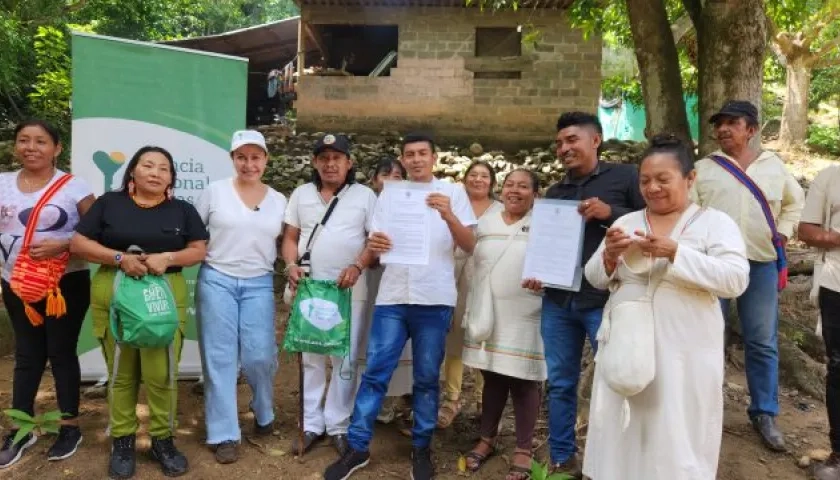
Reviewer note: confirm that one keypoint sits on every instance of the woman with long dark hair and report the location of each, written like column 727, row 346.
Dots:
column 171, row 236
column 41, row 334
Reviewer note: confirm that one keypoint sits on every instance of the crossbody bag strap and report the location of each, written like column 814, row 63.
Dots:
column 748, row 182
column 320, row 225
column 32, row 223
column 519, row 226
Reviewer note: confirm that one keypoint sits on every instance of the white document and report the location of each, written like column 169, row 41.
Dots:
column 406, row 223
column 555, row 244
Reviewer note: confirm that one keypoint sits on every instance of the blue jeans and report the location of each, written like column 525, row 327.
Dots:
column 758, row 310
column 235, row 325
column 564, row 329
column 392, row 326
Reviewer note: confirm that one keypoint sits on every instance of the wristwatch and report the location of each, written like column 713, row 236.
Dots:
column 118, row 258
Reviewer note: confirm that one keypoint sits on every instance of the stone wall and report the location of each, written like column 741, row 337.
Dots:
column 433, row 87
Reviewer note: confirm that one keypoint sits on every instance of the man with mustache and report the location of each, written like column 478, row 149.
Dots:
column 333, row 251
column 735, row 125
column 605, row 191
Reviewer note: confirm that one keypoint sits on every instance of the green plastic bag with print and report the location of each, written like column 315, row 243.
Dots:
column 320, row 319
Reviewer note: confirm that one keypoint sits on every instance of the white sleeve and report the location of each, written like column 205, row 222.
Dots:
column 78, row 189
column 723, row 269
column 377, row 219
column 203, row 203
column 461, row 206
column 370, row 208
column 292, row 216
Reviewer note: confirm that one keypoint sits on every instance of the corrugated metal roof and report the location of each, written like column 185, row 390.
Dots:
column 271, row 45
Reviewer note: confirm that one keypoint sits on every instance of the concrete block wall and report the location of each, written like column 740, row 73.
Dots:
column 430, row 88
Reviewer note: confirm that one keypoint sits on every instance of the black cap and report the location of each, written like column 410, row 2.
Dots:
column 737, row 108
column 339, row 143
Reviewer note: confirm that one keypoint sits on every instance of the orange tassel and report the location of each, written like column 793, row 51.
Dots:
column 34, row 317
column 56, row 305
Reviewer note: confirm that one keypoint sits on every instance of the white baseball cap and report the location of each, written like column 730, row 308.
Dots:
column 247, row 137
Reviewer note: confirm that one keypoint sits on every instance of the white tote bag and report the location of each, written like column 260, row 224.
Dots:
column 479, row 314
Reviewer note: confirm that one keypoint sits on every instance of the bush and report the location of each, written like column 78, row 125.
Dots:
column 825, row 139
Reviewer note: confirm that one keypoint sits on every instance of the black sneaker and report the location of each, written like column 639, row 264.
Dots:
column 69, row 439
column 173, row 462
column 123, row 459
column 11, row 453
column 422, row 467
column 345, row 466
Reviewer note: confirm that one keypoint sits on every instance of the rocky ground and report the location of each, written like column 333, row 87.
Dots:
column 742, row 456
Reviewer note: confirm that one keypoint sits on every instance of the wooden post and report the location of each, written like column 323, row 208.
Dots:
column 300, row 413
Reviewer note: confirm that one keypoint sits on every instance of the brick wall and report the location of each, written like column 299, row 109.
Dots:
column 431, row 89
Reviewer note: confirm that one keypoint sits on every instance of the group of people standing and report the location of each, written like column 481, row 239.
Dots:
column 690, row 237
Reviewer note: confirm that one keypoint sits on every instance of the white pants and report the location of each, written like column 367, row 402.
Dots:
column 333, row 416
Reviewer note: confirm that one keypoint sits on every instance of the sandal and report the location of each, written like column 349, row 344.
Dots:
column 449, row 409
column 475, row 460
column 518, row 472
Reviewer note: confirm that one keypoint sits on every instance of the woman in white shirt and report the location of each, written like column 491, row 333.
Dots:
column 40, row 336
column 235, row 294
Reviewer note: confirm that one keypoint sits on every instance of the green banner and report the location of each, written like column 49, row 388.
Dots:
column 129, row 94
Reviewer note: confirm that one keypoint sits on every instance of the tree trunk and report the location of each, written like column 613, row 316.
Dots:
column 794, row 129
column 659, row 69
column 732, row 44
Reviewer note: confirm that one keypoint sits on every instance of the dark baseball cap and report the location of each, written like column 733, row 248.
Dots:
column 737, row 108
column 339, row 143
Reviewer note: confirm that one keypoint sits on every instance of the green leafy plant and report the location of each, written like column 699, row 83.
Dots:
column 539, row 471
column 48, row 422
column 824, row 138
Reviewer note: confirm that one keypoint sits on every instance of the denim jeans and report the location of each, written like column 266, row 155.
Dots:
column 758, row 310
column 392, row 326
column 235, row 325
column 564, row 331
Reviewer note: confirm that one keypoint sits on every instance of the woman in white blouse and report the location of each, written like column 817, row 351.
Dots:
column 511, row 359
column 235, row 294
column 686, row 258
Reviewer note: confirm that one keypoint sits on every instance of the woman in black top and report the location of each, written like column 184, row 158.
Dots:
column 171, row 235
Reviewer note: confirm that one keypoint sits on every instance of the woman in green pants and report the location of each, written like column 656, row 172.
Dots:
column 171, row 235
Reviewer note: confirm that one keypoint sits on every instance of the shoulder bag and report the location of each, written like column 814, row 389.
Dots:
column 33, row 280
column 479, row 314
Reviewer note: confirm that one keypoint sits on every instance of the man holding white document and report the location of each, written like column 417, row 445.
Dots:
column 598, row 193
column 416, row 227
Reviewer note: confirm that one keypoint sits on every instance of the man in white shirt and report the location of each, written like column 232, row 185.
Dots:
column 414, row 302
column 820, row 228
column 337, row 253
column 758, row 308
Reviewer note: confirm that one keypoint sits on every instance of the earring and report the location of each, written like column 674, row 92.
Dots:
column 131, row 187
column 170, row 193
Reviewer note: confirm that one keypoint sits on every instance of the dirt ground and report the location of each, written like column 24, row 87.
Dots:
column 742, row 458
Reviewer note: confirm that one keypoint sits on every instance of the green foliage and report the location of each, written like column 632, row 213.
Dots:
column 50, row 96
column 34, row 51
column 48, row 422
column 826, row 139
column 825, row 86
column 539, row 471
